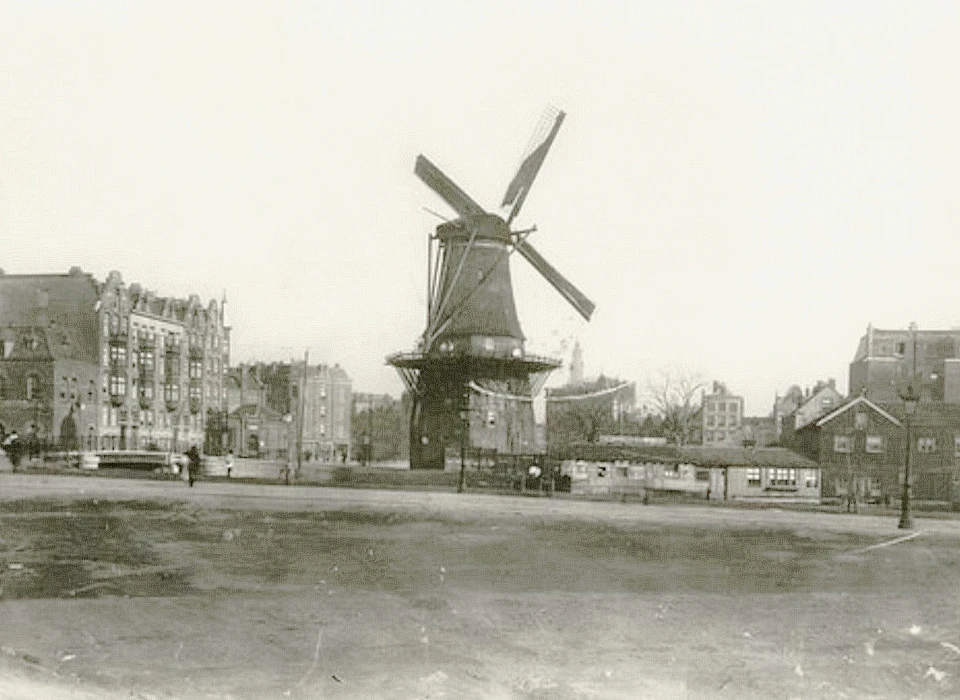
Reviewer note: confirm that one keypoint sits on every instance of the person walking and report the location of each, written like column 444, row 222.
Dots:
column 193, row 464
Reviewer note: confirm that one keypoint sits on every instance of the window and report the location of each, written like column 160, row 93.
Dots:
column 708, row 436
column 196, row 369
column 926, row 444
column 171, row 392
column 118, row 355
column 491, row 416
column 810, row 478
column 901, row 348
column 3, row 387
column 732, row 408
column 956, row 438
column 875, row 444
column 721, row 435
column 147, row 361
column 710, row 421
column 31, row 387
column 118, row 385
column 861, row 421
column 753, row 476
column 782, row 477
column 703, row 475
column 842, row 443
column 196, row 392
column 146, row 391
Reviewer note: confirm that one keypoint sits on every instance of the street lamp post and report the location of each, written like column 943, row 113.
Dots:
column 910, row 397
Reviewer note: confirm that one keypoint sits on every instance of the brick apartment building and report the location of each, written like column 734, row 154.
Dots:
column 885, row 360
column 109, row 366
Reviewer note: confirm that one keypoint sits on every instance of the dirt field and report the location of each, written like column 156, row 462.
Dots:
column 134, row 589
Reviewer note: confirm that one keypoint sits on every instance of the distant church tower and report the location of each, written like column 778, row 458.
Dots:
column 576, row 365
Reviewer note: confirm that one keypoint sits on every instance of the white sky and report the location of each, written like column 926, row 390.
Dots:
column 740, row 190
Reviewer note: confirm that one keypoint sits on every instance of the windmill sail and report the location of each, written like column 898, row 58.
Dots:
column 448, row 190
column 530, row 165
column 577, row 299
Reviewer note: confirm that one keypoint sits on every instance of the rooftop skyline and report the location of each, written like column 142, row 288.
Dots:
column 740, row 190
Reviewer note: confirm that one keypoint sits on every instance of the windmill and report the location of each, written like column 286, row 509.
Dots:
column 470, row 378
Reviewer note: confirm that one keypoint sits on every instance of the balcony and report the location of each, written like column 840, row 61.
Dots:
column 195, row 406
column 196, row 352
column 147, row 343
column 119, row 336
column 118, row 399
column 146, row 402
column 172, row 405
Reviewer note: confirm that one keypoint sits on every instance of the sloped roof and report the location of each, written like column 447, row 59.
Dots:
column 701, row 456
column 60, row 307
column 860, row 400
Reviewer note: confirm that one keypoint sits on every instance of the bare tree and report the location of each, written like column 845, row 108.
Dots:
column 582, row 412
column 673, row 394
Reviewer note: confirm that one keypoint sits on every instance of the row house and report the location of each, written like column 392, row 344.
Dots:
column 107, row 366
column 861, row 447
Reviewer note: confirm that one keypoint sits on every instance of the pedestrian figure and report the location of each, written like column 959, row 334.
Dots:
column 229, row 463
column 193, row 464
column 13, row 446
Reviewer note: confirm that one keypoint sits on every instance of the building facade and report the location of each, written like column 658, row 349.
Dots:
column 266, row 396
column 816, row 402
column 107, row 366
column 861, row 447
column 722, row 417
column 717, row 473
column 886, row 359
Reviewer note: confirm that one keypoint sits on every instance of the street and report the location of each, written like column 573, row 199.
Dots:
column 150, row 589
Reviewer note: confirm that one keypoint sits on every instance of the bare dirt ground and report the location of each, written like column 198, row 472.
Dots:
column 116, row 588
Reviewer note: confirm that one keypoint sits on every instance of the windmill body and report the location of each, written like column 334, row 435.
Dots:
column 471, row 381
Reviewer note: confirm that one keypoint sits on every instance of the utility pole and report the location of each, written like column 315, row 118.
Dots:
column 291, row 425
column 369, row 454
column 464, row 435
column 302, row 409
